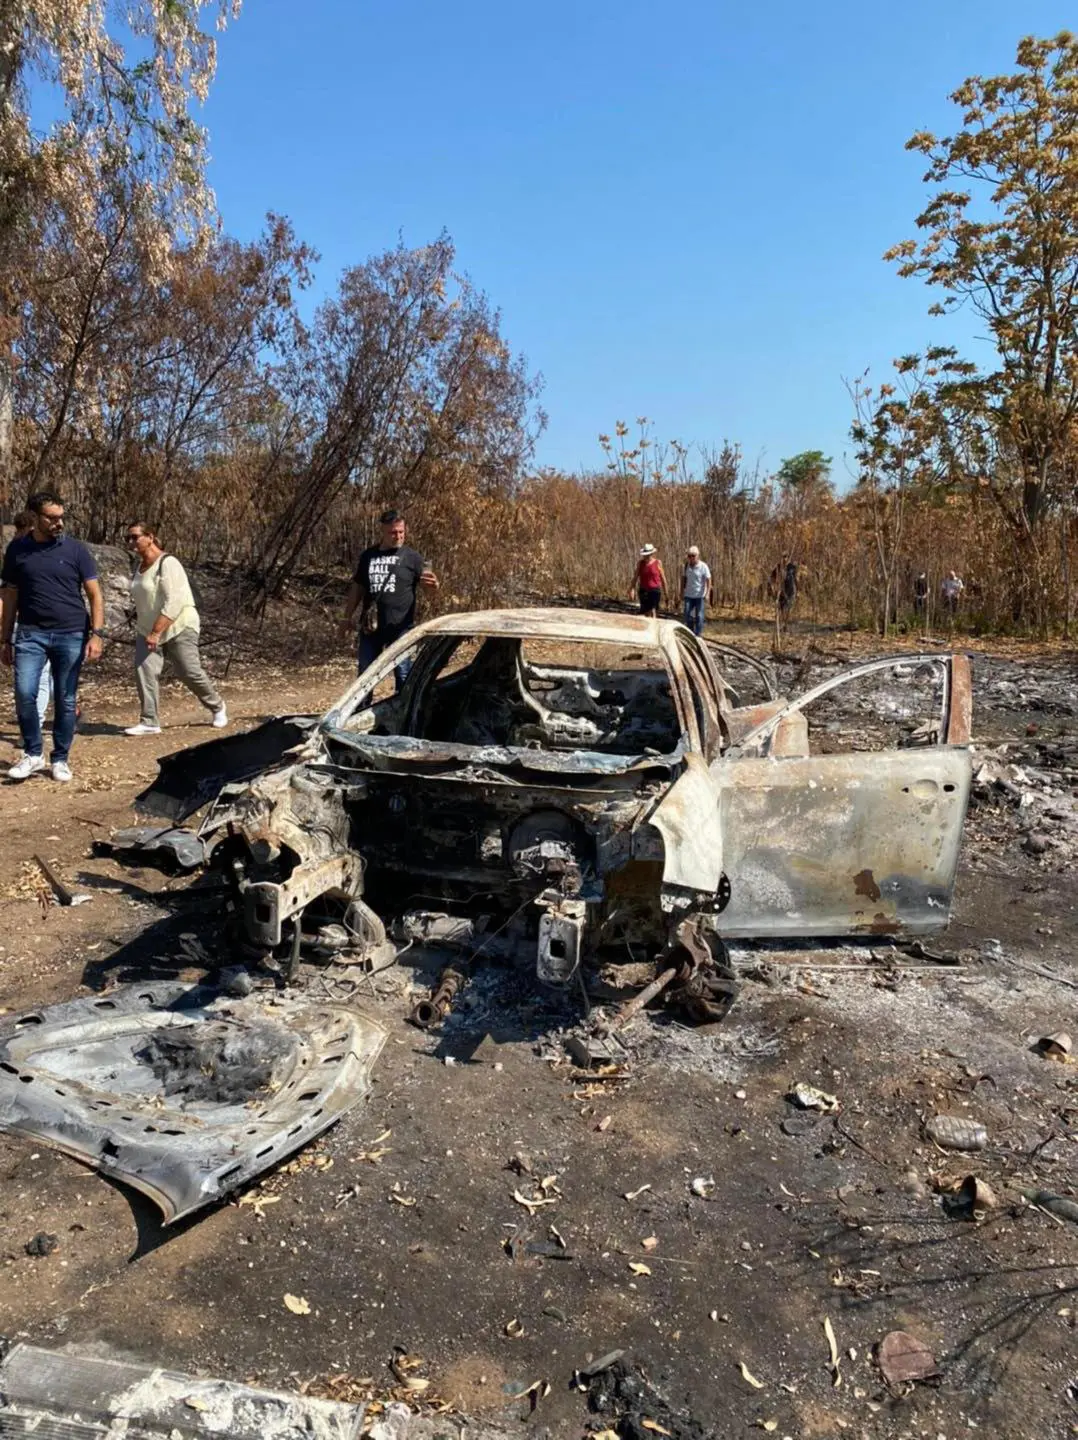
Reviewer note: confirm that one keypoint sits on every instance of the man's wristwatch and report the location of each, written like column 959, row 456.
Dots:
column 99, row 633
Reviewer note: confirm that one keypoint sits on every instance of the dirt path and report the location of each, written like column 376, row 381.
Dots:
column 810, row 1218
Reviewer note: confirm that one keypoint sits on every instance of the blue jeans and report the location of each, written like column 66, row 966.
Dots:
column 694, row 614
column 61, row 653
column 371, row 646
column 44, row 690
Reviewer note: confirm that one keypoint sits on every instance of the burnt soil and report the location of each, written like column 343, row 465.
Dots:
column 400, row 1228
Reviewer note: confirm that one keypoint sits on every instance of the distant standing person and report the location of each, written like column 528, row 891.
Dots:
column 788, row 593
column 384, row 590
column 952, row 588
column 649, row 582
column 48, row 578
column 920, row 595
column 695, row 590
column 168, row 628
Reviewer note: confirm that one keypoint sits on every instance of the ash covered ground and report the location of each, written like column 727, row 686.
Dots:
column 697, row 1220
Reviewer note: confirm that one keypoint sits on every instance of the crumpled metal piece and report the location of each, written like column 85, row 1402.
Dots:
column 81, row 1076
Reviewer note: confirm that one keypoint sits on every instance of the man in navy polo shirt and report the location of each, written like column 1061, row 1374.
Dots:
column 45, row 576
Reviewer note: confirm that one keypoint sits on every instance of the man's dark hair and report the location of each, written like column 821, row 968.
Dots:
column 390, row 517
column 41, row 498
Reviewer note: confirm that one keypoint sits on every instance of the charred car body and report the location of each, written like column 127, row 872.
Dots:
column 560, row 785
column 573, row 783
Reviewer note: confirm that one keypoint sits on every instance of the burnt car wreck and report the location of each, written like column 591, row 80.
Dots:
column 566, row 785
column 559, row 789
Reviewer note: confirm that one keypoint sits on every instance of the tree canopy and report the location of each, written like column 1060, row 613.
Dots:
column 1000, row 234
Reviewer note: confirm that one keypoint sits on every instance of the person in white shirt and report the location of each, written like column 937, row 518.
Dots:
column 695, row 590
column 168, row 629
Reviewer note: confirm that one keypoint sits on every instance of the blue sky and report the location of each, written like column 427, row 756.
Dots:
column 679, row 208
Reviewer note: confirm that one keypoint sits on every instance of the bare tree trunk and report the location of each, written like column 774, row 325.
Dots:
column 1064, row 551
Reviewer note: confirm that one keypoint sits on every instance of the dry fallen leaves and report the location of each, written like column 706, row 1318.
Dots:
column 531, row 1204
column 297, row 1304
column 259, row 1202
column 639, row 1268
column 650, row 1242
column 836, row 1377
column 655, row 1426
column 746, row 1374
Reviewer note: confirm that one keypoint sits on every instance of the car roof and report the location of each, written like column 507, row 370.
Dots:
column 557, row 624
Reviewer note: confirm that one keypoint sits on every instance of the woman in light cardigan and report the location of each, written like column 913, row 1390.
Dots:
column 168, row 629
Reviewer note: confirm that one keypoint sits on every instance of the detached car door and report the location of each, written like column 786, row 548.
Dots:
column 854, row 841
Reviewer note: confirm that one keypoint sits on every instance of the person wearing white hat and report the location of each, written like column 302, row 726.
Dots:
column 695, row 590
column 649, row 582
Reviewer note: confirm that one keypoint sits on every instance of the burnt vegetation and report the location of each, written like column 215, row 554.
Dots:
column 151, row 364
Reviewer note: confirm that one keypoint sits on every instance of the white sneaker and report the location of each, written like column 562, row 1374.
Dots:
column 141, row 729
column 61, row 770
column 27, row 766
column 220, row 718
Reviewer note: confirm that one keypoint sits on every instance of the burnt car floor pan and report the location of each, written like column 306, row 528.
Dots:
column 181, row 1091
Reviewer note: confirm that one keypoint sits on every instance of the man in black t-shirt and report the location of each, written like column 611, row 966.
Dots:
column 384, row 589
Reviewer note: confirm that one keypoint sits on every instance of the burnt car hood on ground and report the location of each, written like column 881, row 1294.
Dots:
column 180, row 1091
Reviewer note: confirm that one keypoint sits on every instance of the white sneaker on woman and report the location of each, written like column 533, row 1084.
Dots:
column 61, row 770
column 25, row 767
column 141, row 729
column 220, row 718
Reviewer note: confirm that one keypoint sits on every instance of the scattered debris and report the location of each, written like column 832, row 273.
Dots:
column 536, row 1391
column 590, row 1052
column 626, row 1396
column 808, row 1097
column 235, row 980
column 956, row 1132
column 217, row 1062
column 1058, row 1205
column 432, row 1010
column 639, row 1268
column 64, row 896
column 903, row 1358
column 596, row 1367
column 702, row 1187
column 635, row 1194
column 172, row 845
column 1054, row 1047
column 297, row 1304
column 41, row 1245
column 974, row 1198
column 747, row 1375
